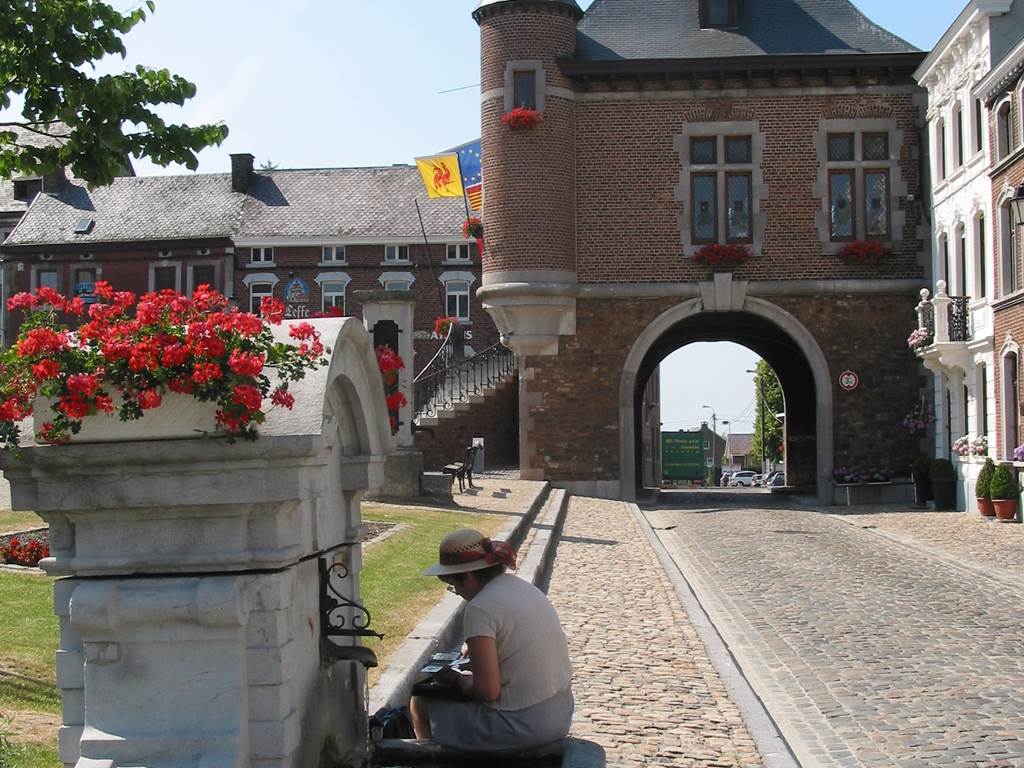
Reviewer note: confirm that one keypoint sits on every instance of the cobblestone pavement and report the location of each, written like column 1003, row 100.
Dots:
column 866, row 652
column 964, row 536
column 645, row 688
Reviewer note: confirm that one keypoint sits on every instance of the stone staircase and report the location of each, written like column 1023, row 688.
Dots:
column 450, row 385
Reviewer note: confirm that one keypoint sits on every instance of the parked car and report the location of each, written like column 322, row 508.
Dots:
column 770, row 477
column 758, row 479
column 778, row 480
column 744, row 477
column 724, row 481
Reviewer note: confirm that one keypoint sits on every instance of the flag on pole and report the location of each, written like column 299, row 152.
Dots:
column 469, row 159
column 441, row 175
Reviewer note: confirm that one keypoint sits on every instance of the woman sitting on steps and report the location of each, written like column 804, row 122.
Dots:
column 519, row 684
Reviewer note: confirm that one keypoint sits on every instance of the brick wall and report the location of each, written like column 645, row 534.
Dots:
column 496, row 419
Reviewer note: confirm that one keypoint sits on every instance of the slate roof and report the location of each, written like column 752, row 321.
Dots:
column 313, row 203
column 353, row 202
column 741, row 444
column 670, row 29
column 8, row 202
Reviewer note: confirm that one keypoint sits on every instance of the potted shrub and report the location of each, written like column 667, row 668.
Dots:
column 919, row 471
column 983, row 489
column 943, row 484
column 1004, row 491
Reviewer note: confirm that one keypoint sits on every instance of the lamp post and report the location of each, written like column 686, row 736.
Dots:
column 714, row 434
column 760, row 388
column 728, row 436
column 1017, row 205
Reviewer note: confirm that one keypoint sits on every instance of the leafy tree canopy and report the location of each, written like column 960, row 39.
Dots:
column 68, row 118
column 765, row 381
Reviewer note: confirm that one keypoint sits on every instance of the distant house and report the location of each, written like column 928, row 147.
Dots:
column 739, row 451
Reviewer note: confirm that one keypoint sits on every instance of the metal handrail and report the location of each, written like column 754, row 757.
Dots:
column 443, row 352
column 959, row 315
column 442, row 389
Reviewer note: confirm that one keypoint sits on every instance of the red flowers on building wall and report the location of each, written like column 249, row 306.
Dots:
column 862, row 252
column 521, row 118
column 131, row 352
column 27, row 553
column 714, row 254
column 390, row 364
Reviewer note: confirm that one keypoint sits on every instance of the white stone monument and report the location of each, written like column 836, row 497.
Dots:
column 191, row 593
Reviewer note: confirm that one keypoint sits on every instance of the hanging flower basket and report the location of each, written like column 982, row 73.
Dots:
column 442, row 324
column 715, row 255
column 521, row 118
column 916, row 422
column 863, row 252
column 473, row 227
column 919, row 338
column 205, row 359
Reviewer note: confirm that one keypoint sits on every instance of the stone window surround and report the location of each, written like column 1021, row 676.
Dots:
column 469, row 253
column 332, row 277
column 217, row 277
column 758, row 188
column 467, row 277
column 397, row 246
column 262, row 249
column 1003, row 151
column 336, row 247
column 540, row 81
column 387, row 277
column 1009, row 442
column 897, row 185
column 1002, row 265
column 163, row 264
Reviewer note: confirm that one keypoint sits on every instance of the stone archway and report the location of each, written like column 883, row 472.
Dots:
column 771, row 320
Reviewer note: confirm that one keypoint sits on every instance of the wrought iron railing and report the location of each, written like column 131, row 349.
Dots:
column 959, row 318
column 438, row 390
column 928, row 318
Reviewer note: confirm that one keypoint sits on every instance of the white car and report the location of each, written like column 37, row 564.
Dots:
column 744, row 477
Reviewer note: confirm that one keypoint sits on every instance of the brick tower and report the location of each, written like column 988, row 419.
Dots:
column 529, row 263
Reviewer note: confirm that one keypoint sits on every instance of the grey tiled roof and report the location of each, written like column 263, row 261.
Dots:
column 314, row 203
column 355, row 202
column 670, row 29
column 134, row 208
column 8, row 202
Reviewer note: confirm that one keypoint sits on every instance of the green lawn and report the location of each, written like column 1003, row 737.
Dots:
column 393, row 587
column 27, row 755
column 18, row 521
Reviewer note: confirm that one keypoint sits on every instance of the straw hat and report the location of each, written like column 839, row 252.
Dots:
column 462, row 551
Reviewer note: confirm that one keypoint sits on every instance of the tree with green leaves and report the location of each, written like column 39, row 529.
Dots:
column 91, row 124
column 766, row 382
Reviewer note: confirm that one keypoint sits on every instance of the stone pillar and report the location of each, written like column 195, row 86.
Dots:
column 193, row 631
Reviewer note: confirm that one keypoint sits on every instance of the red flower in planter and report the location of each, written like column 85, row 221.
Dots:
column 390, row 364
column 714, row 254
column 28, row 554
column 521, row 118
column 442, row 324
column 473, row 227
column 862, row 252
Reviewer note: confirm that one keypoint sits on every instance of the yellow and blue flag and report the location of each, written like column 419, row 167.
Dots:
column 441, row 175
column 472, row 178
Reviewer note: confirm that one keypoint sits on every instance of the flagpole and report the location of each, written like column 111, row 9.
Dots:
column 462, row 181
column 430, row 263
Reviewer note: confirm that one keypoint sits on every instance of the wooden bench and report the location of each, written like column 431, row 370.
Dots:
column 567, row 753
column 463, row 472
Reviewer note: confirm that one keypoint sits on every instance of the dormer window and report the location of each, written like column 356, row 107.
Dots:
column 26, row 189
column 719, row 14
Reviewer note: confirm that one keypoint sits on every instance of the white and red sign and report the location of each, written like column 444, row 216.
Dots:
column 849, row 380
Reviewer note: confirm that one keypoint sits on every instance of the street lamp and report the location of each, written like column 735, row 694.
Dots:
column 764, row 406
column 1017, row 205
column 714, row 434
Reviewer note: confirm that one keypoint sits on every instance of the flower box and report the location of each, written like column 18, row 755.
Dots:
column 726, row 256
column 863, row 252
column 177, row 417
column 521, row 118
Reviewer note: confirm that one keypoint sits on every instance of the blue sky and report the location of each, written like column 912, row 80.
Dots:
column 323, row 83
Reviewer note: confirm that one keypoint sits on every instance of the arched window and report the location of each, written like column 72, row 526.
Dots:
column 940, row 146
column 1009, row 260
column 1011, row 404
column 1004, row 130
column 943, row 266
column 979, row 125
column 961, row 262
column 958, row 138
column 981, row 400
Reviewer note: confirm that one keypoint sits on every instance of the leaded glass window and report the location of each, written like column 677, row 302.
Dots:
column 704, row 151
column 840, row 147
column 876, row 146
column 841, row 205
column 705, row 213
column 876, row 203
column 737, row 149
column 738, row 207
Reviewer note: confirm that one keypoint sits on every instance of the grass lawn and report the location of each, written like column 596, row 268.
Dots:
column 18, row 521
column 28, row 641
column 394, row 591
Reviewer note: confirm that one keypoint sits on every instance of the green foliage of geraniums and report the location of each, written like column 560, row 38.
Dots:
column 72, row 119
column 130, row 353
column 942, row 469
column 1004, row 484
column 983, row 488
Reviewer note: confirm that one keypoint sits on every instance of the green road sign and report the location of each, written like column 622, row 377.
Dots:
column 682, row 456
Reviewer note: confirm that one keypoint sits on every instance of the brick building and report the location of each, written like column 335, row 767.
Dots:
column 791, row 127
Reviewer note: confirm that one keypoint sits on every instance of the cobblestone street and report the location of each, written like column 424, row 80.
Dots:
column 645, row 688
column 874, row 639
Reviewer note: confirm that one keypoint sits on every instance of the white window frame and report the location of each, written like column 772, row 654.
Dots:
column 325, row 293
column 36, row 269
column 254, row 307
column 398, row 250
column 1009, row 395
column 467, row 247
column 325, row 278
column 462, row 277
column 154, row 266
column 190, row 277
column 391, row 278
column 1003, row 149
column 450, row 292
column 333, row 251
column 262, row 251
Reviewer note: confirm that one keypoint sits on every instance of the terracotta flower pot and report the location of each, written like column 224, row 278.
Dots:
column 1006, row 509
column 986, row 507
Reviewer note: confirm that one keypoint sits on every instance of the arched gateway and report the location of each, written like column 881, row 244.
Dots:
column 776, row 336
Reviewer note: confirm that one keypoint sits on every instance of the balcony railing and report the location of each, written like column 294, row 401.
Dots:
column 947, row 318
column 452, row 378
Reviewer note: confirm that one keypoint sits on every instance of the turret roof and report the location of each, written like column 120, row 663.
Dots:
column 670, row 29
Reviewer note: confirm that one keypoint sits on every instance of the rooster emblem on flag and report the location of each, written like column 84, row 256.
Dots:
column 442, row 176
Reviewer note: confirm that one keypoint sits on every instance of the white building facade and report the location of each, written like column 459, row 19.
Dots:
column 957, row 306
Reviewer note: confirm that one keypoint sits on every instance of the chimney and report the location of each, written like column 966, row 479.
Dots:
column 54, row 181
column 241, row 172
